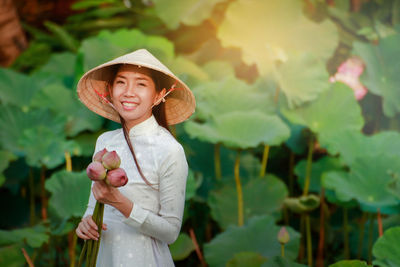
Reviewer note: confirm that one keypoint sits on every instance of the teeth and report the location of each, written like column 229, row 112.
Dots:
column 129, row 104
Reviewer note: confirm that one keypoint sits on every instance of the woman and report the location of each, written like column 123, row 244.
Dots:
column 143, row 217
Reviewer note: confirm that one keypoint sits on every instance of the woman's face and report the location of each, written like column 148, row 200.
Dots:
column 133, row 93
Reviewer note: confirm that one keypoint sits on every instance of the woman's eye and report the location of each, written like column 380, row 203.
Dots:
column 142, row 84
column 120, row 82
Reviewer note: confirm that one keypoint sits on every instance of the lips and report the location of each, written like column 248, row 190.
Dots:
column 127, row 105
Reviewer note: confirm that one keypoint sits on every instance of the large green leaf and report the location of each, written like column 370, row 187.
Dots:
column 350, row 263
column 17, row 88
column 352, row 144
column 333, row 111
column 14, row 122
column 381, row 75
column 260, row 196
column 63, row 101
column 242, row 259
column 34, row 236
column 230, row 94
column 302, row 78
column 241, row 130
column 11, row 256
column 189, row 12
column 318, row 168
column 66, row 199
column 182, row 247
column 278, row 261
column 258, row 235
column 367, row 181
column 108, row 45
column 387, row 249
column 266, row 31
column 5, row 157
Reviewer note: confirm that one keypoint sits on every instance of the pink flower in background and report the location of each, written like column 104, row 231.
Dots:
column 349, row 73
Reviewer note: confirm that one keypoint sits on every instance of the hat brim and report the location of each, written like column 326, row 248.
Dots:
column 179, row 105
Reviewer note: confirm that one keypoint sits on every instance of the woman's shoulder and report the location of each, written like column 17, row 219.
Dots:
column 109, row 135
column 167, row 142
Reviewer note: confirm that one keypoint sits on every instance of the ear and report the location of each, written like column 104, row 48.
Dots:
column 160, row 97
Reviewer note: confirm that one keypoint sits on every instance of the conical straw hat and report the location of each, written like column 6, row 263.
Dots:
column 92, row 88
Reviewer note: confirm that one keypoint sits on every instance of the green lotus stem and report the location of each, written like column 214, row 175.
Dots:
column 239, row 190
column 100, row 226
column 72, row 239
column 283, row 250
column 380, row 227
column 217, row 161
column 370, row 237
column 43, row 192
column 301, row 249
column 68, row 161
column 361, row 235
column 264, row 161
column 31, row 198
column 291, row 171
column 309, row 241
column 82, row 256
column 308, row 169
column 346, row 234
column 320, row 256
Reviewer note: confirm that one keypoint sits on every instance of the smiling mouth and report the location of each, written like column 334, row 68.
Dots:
column 129, row 104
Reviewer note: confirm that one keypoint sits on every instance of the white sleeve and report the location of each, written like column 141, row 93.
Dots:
column 165, row 225
column 92, row 201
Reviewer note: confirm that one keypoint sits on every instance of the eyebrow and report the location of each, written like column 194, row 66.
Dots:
column 138, row 78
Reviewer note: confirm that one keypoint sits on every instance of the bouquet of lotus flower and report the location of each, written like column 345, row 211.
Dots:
column 105, row 167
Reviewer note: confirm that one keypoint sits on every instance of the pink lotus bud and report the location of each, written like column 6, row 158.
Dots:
column 99, row 155
column 117, row 177
column 111, row 160
column 95, row 171
column 283, row 236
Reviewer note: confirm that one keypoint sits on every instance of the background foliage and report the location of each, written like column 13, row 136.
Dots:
column 296, row 125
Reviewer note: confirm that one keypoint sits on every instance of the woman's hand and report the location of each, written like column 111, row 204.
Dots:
column 112, row 196
column 87, row 229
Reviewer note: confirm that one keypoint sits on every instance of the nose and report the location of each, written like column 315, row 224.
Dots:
column 130, row 90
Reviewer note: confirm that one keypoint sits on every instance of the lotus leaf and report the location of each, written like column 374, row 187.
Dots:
column 223, row 202
column 182, row 247
column 108, row 45
column 86, row 143
column 60, row 100
column 14, row 122
column 66, row 200
column 11, row 256
column 231, row 95
column 298, row 138
column 17, row 88
column 278, row 261
column 34, row 236
column 5, row 157
column 352, row 144
column 257, row 235
column 302, row 78
column 241, row 130
column 382, row 69
column 367, row 181
column 191, row 12
column 387, row 249
column 303, row 203
column 218, row 70
column 245, row 258
column 333, row 111
column 318, row 168
column 59, row 68
column 268, row 31
column 350, row 263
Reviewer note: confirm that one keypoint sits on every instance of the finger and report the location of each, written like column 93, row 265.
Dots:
column 104, row 226
column 81, row 235
column 89, row 231
column 92, row 223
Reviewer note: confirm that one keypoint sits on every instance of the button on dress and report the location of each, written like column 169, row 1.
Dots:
column 142, row 239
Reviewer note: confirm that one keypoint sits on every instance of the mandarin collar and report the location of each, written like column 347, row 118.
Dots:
column 147, row 126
